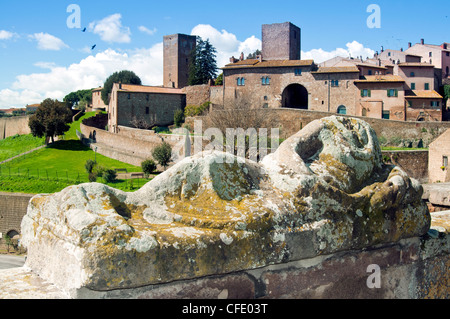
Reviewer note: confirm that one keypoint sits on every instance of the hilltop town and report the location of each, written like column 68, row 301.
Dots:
column 329, row 119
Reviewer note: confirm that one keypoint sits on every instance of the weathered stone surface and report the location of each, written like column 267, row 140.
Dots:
column 325, row 190
column 437, row 194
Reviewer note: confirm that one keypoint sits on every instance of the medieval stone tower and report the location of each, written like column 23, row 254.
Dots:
column 281, row 41
column 177, row 51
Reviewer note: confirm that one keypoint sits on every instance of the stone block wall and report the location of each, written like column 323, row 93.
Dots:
column 10, row 126
column 414, row 163
column 12, row 209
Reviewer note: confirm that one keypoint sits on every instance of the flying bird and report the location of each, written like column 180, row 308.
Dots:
column 84, row 30
column 93, row 47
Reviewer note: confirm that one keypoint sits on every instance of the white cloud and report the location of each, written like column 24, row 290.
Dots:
column 146, row 30
column 226, row 43
column 6, row 35
column 48, row 42
column 111, row 30
column 89, row 73
column 354, row 49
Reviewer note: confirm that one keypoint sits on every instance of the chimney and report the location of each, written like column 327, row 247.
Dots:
column 259, row 57
column 242, row 56
column 233, row 59
column 401, row 49
column 422, row 41
column 382, row 49
column 409, row 44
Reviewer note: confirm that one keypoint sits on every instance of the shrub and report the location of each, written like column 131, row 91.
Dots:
column 92, row 177
column 178, row 118
column 148, row 166
column 89, row 166
column 109, row 175
column 196, row 110
column 163, row 154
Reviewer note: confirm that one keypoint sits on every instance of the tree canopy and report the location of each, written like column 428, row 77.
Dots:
column 51, row 118
column 79, row 98
column 203, row 65
column 125, row 77
column 254, row 54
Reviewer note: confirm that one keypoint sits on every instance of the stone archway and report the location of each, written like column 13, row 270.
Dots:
column 295, row 96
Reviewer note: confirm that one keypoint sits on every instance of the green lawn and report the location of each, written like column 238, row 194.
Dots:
column 57, row 166
column 18, row 144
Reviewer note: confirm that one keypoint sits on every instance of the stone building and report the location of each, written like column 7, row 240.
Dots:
column 438, row 159
column 97, row 102
column 281, row 41
column 147, row 105
column 177, row 53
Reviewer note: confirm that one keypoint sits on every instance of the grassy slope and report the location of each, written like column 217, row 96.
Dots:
column 18, row 144
column 63, row 163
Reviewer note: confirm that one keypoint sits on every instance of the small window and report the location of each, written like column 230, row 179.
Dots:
column 365, row 93
column 265, row 80
column 412, row 74
column 298, row 71
column 413, row 86
column 386, row 115
column 430, row 54
column 147, row 110
column 445, row 161
column 240, row 81
column 392, row 93
column 370, row 72
column 129, row 96
column 389, row 53
column 435, row 103
column 447, row 53
column 427, row 86
column 334, row 83
column 147, row 97
column 265, row 98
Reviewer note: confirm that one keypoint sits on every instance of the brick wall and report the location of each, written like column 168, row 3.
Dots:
column 414, row 163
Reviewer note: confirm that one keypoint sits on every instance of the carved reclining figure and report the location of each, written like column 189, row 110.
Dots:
column 324, row 190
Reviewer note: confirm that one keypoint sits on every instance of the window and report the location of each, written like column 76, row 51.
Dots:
column 147, row 110
column 129, row 96
column 412, row 74
column 265, row 80
column 386, row 115
column 342, row 110
column 392, row 93
column 389, row 53
column 370, row 72
column 240, row 81
column 365, row 93
column 434, row 103
column 447, row 53
column 298, row 71
column 427, row 86
column 413, row 86
column 430, row 54
column 334, row 83
column 147, row 97
column 445, row 161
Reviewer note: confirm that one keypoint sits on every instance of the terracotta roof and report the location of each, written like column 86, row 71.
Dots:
column 421, row 64
column 381, row 78
column 338, row 69
column 422, row 94
column 149, row 89
column 369, row 65
column 252, row 63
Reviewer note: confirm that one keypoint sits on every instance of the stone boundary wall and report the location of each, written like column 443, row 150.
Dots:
column 414, row 268
column 12, row 209
column 130, row 145
column 414, row 163
column 293, row 120
column 10, row 126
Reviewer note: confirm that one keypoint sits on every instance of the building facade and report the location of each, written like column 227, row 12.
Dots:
column 143, row 106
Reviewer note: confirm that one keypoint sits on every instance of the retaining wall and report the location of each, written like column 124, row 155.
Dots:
column 10, row 126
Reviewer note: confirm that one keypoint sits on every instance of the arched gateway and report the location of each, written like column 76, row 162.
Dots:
column 295, row 96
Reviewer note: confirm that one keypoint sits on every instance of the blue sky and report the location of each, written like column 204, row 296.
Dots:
column 40, row 56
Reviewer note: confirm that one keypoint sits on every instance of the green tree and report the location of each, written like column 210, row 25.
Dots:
column 219, row 80
column 203, row 65
column 78, row 98
column 51, row 119
column 124, row 77
column 254, row 54
column 148, row 166
column 178, row 118
column 163, row 154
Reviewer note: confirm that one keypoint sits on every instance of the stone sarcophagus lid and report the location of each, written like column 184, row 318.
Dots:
column 324, row 190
